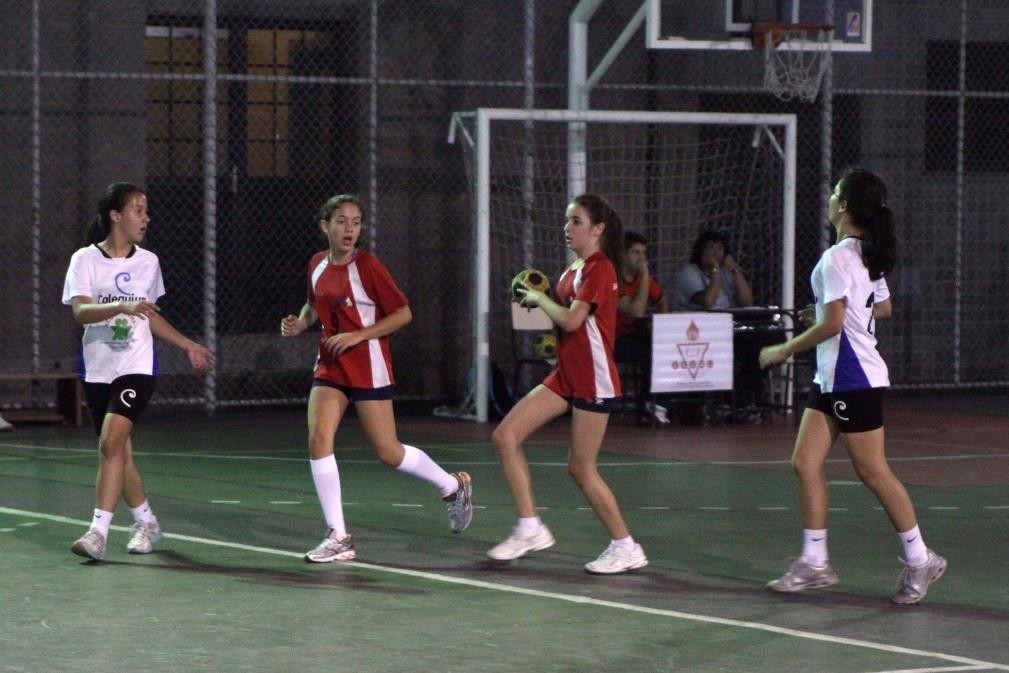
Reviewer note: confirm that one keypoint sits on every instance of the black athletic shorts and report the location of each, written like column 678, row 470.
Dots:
column 852, row 410
column 127, row 396
column 600, row 405
column 358, row 394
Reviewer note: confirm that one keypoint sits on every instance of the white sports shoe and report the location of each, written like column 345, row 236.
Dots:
column 5, row 424
column 616, row 560
column 460, row 506
column 90, row 545
column 801, row 576
column 143, row 536
column 913, row 583
column 518, row 544
column 332, row 548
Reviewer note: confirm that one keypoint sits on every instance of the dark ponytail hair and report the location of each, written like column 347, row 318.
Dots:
column 115, row 197
column 333, row 204
column 612, row 240
column 864, row 194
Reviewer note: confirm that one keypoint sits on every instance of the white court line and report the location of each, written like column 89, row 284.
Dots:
column 636, row 463
column 977, row 664
column 941, row 669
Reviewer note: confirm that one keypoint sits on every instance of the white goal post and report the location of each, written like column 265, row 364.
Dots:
column 670, row 174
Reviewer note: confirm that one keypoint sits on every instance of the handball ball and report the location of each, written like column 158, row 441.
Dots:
column 545, row 346
column 530, row 278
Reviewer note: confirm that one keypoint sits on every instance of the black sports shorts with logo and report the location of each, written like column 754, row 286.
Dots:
column 852, row 410
column 127, row 396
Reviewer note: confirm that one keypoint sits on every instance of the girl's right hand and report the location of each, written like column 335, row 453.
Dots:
column 292, row 325
column 807, row 315
column 141, row 309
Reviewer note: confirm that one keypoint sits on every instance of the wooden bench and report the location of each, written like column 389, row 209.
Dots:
column 69, row 398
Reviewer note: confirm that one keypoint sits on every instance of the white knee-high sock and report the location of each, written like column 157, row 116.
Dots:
column 326, row 476
column 418, row 464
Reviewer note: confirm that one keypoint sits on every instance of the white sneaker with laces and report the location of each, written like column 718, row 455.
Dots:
column 658, row 412
column 5, row 424
column 460, row 507
column 332, row 548
column 801, row 576
column 913, row 583
column 90, row 545
column 518, row 544
column 615, row 560
column 143, row 535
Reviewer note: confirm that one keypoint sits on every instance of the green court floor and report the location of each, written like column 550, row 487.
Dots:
column 715, row 508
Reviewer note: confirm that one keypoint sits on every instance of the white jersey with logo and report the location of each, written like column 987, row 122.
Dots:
column 849, row 360
column 122, row 344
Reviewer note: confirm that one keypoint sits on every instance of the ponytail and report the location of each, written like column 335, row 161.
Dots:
column 114, row 198
column 612, row 240
column 865, row 195
column 879, row 244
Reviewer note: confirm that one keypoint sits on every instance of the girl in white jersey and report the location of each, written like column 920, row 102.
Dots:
column 847, row 397
column 112, row 285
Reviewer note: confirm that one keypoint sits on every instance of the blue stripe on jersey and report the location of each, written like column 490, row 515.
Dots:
column 848, row 372
column 82, row 369
column 155, row 367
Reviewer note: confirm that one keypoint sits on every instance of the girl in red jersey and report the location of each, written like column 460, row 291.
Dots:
column 359, row 305
column 585, row 378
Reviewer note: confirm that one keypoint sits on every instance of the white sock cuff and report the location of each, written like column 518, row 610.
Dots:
column 911, row 532
column 143, row 512
column 411, row 456
column 323, row 465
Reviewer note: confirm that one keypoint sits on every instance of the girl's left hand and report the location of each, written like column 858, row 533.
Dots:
column 340, row 343
column 772, row 355
column 200, row 357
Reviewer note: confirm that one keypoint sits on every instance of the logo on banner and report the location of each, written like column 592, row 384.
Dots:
column 692, row 353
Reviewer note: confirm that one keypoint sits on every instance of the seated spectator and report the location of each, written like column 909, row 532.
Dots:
column 712, row 279
column 640, row 295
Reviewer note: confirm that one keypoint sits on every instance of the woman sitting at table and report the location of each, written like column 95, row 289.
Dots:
column 712, row 279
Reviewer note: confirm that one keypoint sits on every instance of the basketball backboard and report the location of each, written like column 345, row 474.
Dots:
column 726, row 24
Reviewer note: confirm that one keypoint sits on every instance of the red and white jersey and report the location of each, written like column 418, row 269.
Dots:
column 348, row 298
column 585, row 365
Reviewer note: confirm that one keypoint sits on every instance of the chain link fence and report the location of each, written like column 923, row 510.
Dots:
column 240, row 119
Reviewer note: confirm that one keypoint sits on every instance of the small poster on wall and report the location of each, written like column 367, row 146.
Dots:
column 691, row 352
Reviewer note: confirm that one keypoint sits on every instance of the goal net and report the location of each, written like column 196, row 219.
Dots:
column 669, row 176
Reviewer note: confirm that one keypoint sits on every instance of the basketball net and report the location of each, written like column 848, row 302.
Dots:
column 796, row 70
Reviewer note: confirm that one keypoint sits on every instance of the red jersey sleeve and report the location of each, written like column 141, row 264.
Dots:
column 654, row 289
column 312, row 264
column 599, row 278
column 380, row 285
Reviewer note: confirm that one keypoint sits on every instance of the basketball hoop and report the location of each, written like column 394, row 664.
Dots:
column 795, row 57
